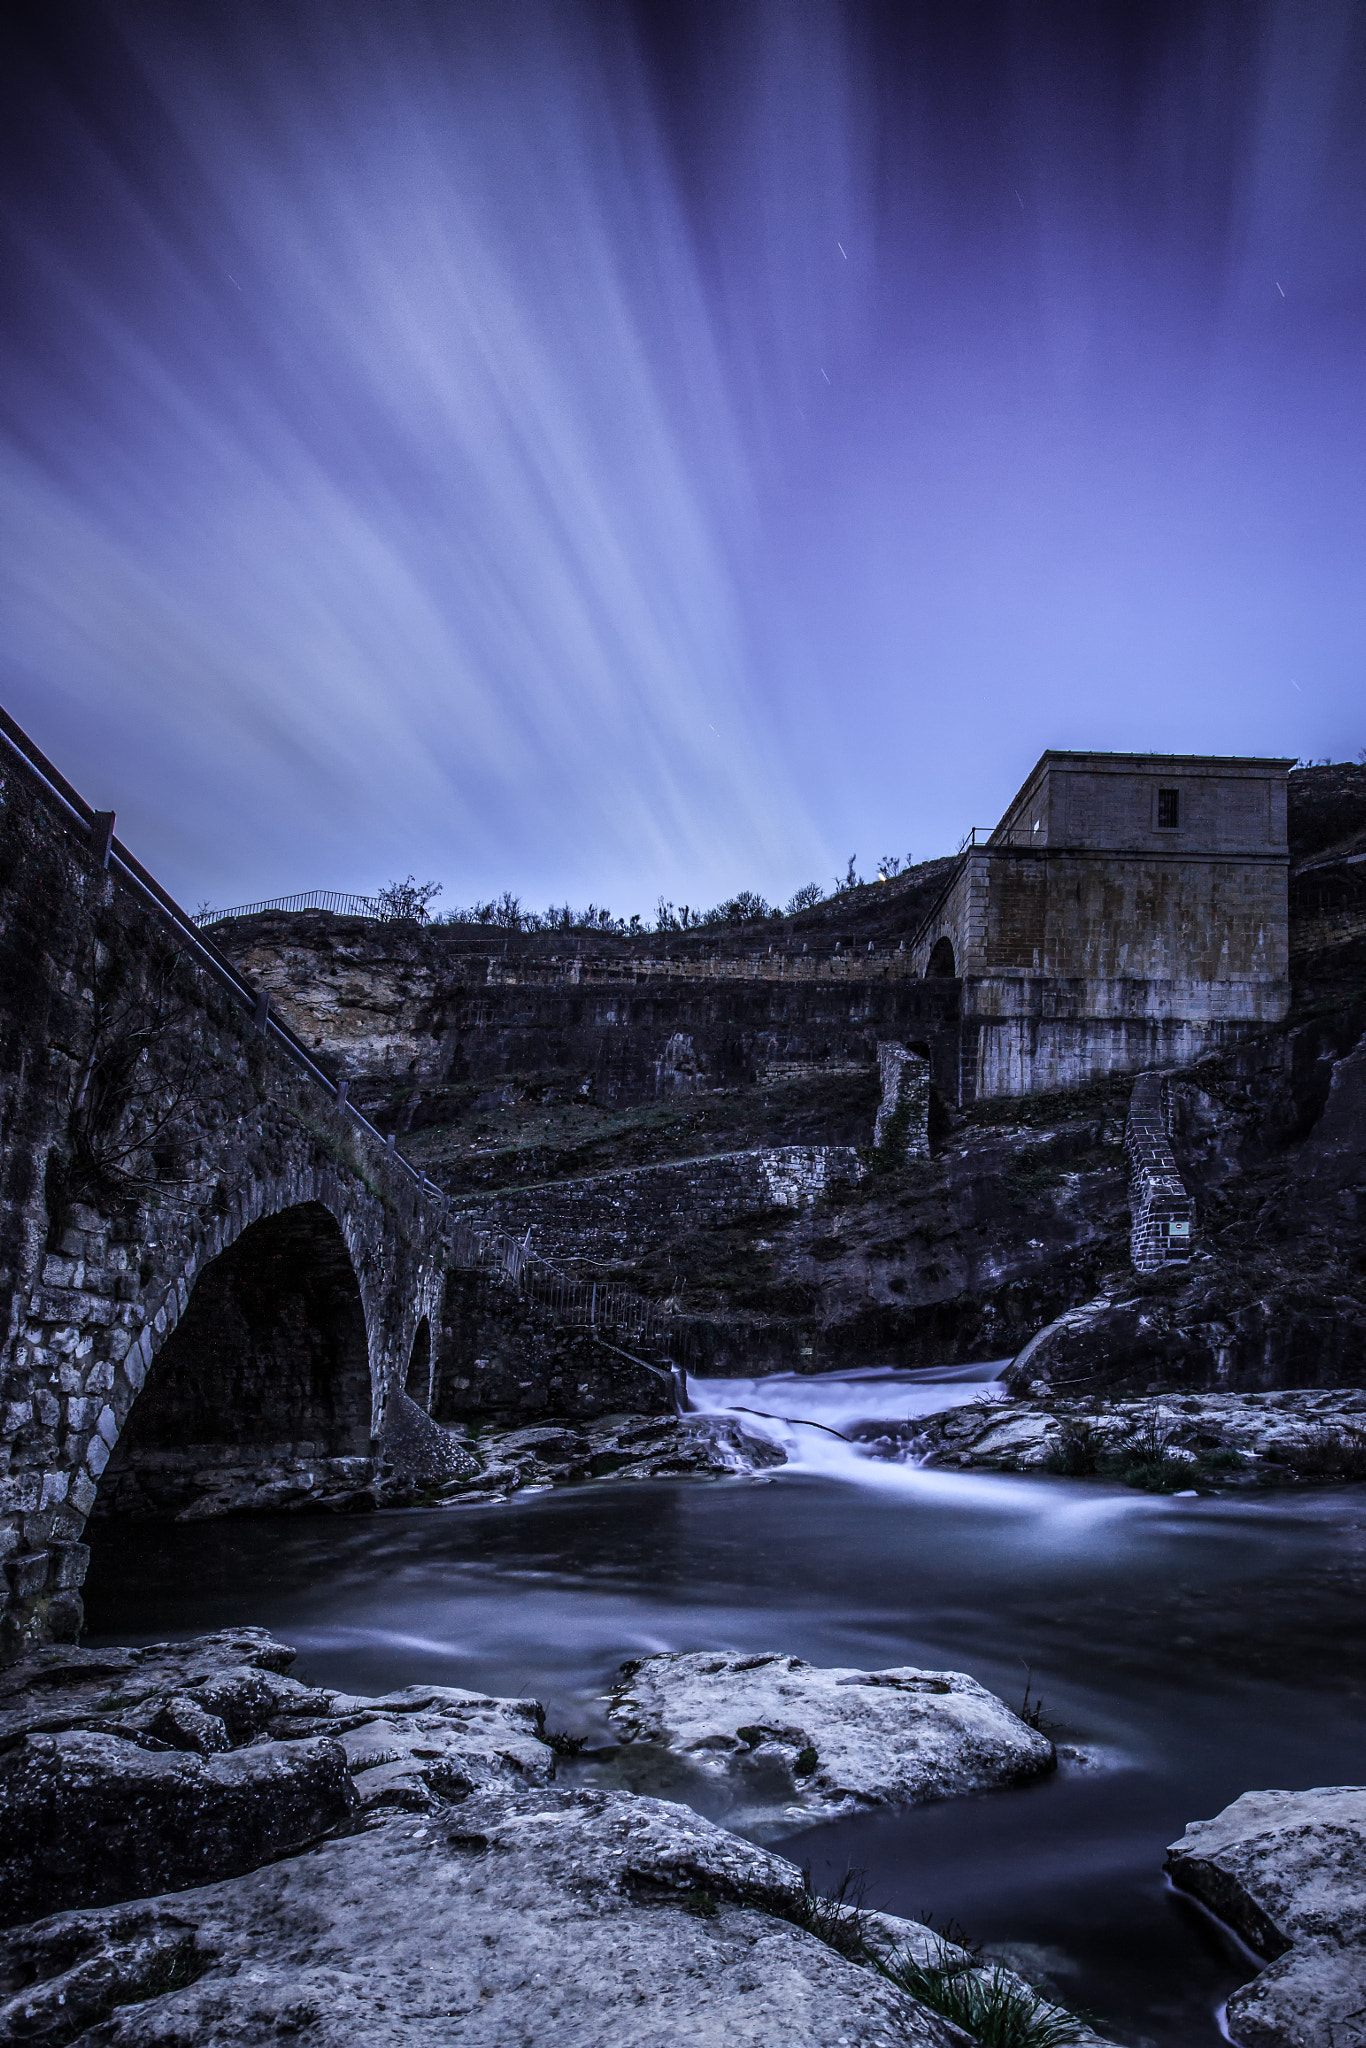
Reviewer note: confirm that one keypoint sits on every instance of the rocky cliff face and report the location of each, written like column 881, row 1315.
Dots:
column 591, row 1090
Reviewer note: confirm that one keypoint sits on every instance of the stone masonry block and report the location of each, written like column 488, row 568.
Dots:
column 70, row 1307
column 70, row 1562
column 82, row 1493
column 97, row 1456
column 27, row 1575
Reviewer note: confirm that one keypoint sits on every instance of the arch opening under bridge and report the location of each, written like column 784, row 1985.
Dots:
column 269, row 1362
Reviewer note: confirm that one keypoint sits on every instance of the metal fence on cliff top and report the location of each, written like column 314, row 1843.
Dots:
column 335, row 900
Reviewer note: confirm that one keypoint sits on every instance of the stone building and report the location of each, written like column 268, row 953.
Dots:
column 1129, row 911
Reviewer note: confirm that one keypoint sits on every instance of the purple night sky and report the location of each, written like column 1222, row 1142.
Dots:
column 601, row 450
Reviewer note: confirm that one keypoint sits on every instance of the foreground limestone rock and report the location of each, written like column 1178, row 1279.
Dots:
column 92, row 1817
column 417, row 1877
column 128, row 1772
column 776, row 1732
column 1287, row 1870
column 587, row 1919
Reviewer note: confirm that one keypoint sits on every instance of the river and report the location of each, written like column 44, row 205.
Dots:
column 1185, row 1650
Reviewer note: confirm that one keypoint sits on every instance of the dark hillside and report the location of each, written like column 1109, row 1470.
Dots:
column 586, row 1086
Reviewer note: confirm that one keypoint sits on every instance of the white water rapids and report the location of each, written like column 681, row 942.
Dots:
column 857, row 1426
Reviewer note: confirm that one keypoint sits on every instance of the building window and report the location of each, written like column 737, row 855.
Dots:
column 1169, row 808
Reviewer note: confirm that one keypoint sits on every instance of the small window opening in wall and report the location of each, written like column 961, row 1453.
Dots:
column 1169, row 808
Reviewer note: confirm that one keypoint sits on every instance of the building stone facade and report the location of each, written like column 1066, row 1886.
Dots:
column 1129, row 911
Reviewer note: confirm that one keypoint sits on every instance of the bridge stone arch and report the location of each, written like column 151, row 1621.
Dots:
column 276, row 1353
column 333, row 1238
column 109, row 1221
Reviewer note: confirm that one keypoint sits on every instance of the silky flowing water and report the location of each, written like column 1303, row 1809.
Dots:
column 1185, row 1650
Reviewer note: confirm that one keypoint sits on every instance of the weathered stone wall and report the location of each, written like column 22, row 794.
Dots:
column 445, row 1007
column 146, row 1129
column 903, row 1117
column 1224, row 803
column 500, row 1356
column 610, row 1218
column 1163, row 1213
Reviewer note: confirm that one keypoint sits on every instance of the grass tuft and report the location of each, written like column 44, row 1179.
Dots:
column 990, row 2005
column 1328, row 1453
column 1079, row 1451
column 838, row 1918
column 563, row 1744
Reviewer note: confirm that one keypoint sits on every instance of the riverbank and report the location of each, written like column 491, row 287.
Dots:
column 1174, row 1645
column 845, row 1424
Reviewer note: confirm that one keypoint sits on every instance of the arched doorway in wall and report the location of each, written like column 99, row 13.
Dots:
column 941, row 962
column 418, row 1383
column 271, row 1355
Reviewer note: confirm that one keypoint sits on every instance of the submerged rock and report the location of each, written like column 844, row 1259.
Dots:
column 773, row 1732
column 1287, row 1870
column 589, row 1919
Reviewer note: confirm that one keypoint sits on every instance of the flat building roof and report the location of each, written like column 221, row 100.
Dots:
column 1153, row 764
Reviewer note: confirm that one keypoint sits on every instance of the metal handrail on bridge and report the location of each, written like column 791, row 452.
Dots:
column 97, row 829
column 588, row 1302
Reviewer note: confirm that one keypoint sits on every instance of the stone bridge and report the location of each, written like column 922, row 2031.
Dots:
column 212, row 1273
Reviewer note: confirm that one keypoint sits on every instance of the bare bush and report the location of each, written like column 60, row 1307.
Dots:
column 406, row 902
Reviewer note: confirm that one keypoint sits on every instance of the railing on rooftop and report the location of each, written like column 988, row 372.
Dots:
column 981, row 839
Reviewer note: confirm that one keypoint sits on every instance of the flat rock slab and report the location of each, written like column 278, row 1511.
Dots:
column 590, row 1920
column 1287, row 1870
column 776, row 1732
